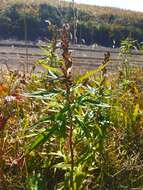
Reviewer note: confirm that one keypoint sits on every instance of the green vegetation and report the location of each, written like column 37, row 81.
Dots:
column 73, row 133
column 95, row 25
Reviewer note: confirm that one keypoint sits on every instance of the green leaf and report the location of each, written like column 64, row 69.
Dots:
column 83, row 127
column 62, row 165
column 57, row 154
column 42, row 94
column 99, row 130
column 103, row 105
column 49, row 68
column 35, row 182
column 136, row 112
column 90, row 73
column 41, row 139
column 82, row 159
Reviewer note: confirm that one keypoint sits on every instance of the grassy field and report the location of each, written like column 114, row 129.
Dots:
column 72, row 133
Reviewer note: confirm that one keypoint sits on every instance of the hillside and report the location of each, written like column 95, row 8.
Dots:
column 87, row 8
column 95, row 25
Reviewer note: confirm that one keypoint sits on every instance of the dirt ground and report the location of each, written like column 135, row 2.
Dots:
column 15, row 57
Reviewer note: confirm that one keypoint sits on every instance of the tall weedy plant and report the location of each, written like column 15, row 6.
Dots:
column 71, row 131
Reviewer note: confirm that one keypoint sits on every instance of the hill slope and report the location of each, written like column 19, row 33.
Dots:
column 100, row 25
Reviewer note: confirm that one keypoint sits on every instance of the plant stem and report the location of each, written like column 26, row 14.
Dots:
column 71, row 147
column 68, row 78
column 71, row 153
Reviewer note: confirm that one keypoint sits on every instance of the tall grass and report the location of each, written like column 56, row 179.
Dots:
column 64, row 132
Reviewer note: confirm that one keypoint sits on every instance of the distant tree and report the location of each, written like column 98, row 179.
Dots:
column 102, row 28
column 5, row 27
column 50, row 13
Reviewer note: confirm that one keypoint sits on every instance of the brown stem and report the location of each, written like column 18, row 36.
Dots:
column 71, row 146
column 68, row 78
column 71, row 152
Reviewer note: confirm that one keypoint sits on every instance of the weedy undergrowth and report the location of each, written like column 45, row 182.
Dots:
column 60, row 131
column 73, row 117
column 89, row 126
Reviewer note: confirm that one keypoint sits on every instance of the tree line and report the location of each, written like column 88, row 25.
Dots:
column 104, row 29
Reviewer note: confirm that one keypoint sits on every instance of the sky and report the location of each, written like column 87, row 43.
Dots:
column 136, row 5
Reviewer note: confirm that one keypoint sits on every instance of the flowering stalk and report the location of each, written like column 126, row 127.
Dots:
column 68, row 78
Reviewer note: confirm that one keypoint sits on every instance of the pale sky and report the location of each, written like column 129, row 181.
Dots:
column 136, row 5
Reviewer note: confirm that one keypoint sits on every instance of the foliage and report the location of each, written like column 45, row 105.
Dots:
column 108, row 27
column 63, row 132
